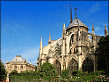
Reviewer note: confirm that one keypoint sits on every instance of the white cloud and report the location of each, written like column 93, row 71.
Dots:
column 94, row 8
column 31, row 54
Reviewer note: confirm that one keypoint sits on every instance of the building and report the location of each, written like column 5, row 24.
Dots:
column 74, row 50
column 19, row 64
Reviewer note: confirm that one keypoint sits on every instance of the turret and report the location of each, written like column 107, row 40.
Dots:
column 105, row 31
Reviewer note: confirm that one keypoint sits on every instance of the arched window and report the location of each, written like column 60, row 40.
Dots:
column 72, row 38
column 58, row 67
column 21, row 67
column 15, row 67
column 87, row 65
column 73, row 65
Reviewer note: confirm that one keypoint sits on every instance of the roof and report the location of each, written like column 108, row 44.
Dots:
column 18, row 58
column 75, row 23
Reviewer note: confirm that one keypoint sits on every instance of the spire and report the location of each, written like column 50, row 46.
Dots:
column 75, row 13
column 70, row 13
column 93, row 28
column 63, row 25
column 41, row 42
column 49, row 39
column 63, row 30
column 105, row 31
column 40, row 47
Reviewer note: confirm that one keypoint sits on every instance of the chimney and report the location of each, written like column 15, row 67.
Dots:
column 26, row 60
column 30, row 62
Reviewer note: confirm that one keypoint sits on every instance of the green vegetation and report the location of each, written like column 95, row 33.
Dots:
column 102, row 53
column 100, row 78
column 47, row 69
column 14, row 72
column 65, row 73
column 2, row 72
column 77, row 72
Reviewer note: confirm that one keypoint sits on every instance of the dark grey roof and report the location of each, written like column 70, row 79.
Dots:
column 75, row 23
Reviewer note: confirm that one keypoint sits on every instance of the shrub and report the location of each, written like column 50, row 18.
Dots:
column 14, row 72
column 99, row 72
column 77, row 72
column 91, row 73
column 85, row 73
column 65, row 73
column 31, row 73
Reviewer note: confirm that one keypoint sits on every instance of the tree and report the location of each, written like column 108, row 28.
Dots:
column 2, row 72
column 102, row 53
column 47, row 69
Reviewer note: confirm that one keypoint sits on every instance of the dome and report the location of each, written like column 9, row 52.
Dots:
column 75, row 23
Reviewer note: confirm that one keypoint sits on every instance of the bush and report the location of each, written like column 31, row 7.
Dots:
column 91, row 73
column 86, row 73
column 65, row 73
column 99, row 72
column 31, row 73
column 77, row 72
column 14, row 72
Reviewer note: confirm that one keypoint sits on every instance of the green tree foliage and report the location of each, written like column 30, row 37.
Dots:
column 77, row 72
column 47, row 69
column 2, row 72
column 14, row 72
column 65, row 73
column 102, row 53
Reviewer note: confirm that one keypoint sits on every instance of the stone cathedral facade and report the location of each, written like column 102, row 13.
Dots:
column 74, row 50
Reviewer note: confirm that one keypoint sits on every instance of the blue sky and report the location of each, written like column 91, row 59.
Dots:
column 23, row 23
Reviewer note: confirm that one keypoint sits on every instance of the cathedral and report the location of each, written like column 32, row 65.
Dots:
column 74, row 50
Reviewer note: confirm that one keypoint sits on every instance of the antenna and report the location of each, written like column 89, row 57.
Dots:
column 70, row 13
